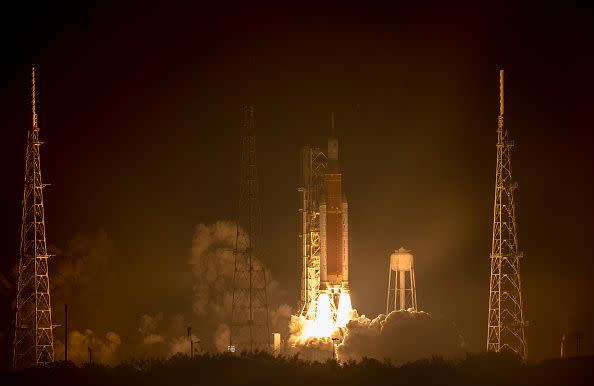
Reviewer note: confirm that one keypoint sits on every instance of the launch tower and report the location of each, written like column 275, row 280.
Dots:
column 33, row 330
column 250, row 330
column 313, row 169
column 505, row 330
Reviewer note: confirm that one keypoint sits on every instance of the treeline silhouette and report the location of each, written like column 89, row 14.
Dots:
column 265, row 369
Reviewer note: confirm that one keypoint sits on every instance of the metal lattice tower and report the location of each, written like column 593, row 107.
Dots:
column 505, row 331
column 33, row 335
column 250, row 330
column 313, row 169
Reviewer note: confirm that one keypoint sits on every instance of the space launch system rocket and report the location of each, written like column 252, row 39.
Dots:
column 334, row 226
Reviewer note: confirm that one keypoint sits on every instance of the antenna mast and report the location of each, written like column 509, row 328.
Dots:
column 33, row 333
column 505, row 329
column 250, row 330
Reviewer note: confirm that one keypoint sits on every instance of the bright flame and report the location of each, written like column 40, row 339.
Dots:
column 343, row 315
column 322, row 325
column 323, row 322
column 322, row 319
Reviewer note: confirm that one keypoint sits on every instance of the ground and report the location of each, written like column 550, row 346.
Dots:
column 263, row 369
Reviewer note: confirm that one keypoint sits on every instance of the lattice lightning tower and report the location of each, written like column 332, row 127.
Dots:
column 250, row 330
column 505, row 330
column 33, row 335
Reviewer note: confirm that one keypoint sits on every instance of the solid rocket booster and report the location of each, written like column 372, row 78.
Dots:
column 334, row 225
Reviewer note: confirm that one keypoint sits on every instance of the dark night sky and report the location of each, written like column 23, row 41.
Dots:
column 139, row 110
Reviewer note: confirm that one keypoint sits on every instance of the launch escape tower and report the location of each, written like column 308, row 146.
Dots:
column 402, row 292
column 250, row 330
column 33, row 330
column 505, row 330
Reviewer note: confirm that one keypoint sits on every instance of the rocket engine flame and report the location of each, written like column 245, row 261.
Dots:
column 322, row 325
column 343, row 315
column 323, row 319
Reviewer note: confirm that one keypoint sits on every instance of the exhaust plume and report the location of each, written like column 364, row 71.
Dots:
column 400, row 336
column 212, row 263
column 104, row 349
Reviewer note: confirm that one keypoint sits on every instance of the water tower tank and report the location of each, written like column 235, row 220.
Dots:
column 401, row 260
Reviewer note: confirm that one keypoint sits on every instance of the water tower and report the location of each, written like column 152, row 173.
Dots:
column 402, row 294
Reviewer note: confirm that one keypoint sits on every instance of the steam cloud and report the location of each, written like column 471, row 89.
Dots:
column 82, row 276
column 79, row 277
column 159, row 339
column 400, row 336
column 212, row 263
column 84, row 263
column 83, row 270
column 104, row 349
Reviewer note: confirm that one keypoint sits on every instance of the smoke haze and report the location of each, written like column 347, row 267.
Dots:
column 82, row 278
column 400, row 336
column 104, row 349
column 212, row 263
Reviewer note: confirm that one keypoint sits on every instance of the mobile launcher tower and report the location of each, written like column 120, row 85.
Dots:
column 324, row 228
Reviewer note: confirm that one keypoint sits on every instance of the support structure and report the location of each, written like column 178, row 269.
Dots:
column 250, row 330
column 505, row 329
column 33, row 343
column 313, row 168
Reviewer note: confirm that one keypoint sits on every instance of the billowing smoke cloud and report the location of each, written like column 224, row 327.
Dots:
column 104, row 349
column 81, row 277
column 221, row 337
column 84, row 262
column 149, row 324
column 401, row 336
column 153, row 343
column 160, row 339
column 212, row 262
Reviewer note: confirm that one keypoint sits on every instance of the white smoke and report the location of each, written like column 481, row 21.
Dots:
column 153, row 343
column 401, row 336
column 152, row 339
column 149, row 324
column 104, row 349
column 79, row 278
column 85, row 262
column 221, row 337
column 161, row 338
column 212, row 263
column 180, row 345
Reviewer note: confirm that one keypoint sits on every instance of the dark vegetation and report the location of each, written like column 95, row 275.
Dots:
column 264, row 369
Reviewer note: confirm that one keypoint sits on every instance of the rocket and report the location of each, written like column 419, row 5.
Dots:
column 334, row 226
